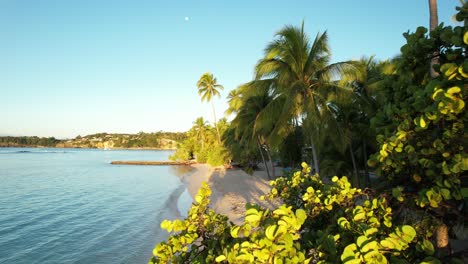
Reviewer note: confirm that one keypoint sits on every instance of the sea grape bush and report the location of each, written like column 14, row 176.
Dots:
column 197, row 239
column 426, row 153
column 349, row 226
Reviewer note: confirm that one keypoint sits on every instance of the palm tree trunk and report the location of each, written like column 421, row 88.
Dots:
column 442, row 241
column 263, row 159
column 215, row 124
column 433, row 23
column 355, row 172
column 433, row 17
column 314, row 156
column 271, row 162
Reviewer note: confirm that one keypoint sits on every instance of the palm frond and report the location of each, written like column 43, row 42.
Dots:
column 319, row 53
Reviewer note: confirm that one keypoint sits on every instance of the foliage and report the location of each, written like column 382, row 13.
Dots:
column 202, row 155
column 156, row 140
column 290, row 150
column 28, row 141
column 426, row 150
column 247, row 142
column 198, row 238
column 319, row 223
column 218, row 156
column 181, row 154
column 302, row 82
column 208, row 87
column 201, row 143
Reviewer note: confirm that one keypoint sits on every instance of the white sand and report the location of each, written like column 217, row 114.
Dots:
column 231, row 189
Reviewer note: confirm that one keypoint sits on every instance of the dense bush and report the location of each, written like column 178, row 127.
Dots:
column 202, row 155
column 318, row 223
column 218, row 156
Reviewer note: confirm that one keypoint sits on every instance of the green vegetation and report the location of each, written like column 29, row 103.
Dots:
column 28, row 141
column 158, row 140
column 300, row 106
column 202, row 144
column 208, row 87
column 203, row 141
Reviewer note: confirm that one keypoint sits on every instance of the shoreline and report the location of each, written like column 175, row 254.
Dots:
column 231, row 189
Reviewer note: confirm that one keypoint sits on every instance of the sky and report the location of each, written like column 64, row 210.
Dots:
column 78, row 67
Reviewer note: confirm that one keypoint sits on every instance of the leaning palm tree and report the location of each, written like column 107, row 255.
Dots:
column 252, row 104
column 234, row 101
column 208, row 87
column 302, row 80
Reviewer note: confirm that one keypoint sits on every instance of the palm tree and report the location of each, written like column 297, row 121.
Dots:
column 353, row 115
column 234, row 101
column 254, row 99
column 302, row 80
column 208, row 87
column 200, row 128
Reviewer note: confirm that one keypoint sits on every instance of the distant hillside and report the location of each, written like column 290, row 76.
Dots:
column 158, row 140
column 9, row 141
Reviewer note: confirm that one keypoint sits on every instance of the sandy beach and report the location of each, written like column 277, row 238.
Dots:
column 232, row 189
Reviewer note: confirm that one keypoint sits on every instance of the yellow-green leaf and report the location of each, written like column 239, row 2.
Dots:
column 422, row 122
column 454, row 90
column 235, row 231
column 220, row 258
column 198, row 198
column 270, row 232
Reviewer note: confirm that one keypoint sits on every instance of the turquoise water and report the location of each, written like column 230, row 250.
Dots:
column 72, row 206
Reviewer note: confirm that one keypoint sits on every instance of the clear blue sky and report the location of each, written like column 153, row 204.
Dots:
column 71, row 68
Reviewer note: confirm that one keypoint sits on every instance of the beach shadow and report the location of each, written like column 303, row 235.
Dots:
column 233, row 189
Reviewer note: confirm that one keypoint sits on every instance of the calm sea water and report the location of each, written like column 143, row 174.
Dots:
column 72, row 206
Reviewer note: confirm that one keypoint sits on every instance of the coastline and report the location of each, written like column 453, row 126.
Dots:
column 231, row 189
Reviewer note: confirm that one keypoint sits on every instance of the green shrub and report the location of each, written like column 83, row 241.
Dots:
column 326, row 223
column 201, row 155
column 218, row 156
column 181, row 154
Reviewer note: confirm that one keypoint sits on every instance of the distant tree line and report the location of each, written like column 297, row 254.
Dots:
column 140, row 140
column 28, row 141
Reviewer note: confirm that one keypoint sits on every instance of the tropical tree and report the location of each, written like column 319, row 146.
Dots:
column 353, row 116
column 208, row 88
column 200, row 126
column 302, row 80
column 255, row 98
column 234, row 101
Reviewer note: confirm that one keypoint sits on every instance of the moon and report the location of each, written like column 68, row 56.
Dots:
column 187, row 18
